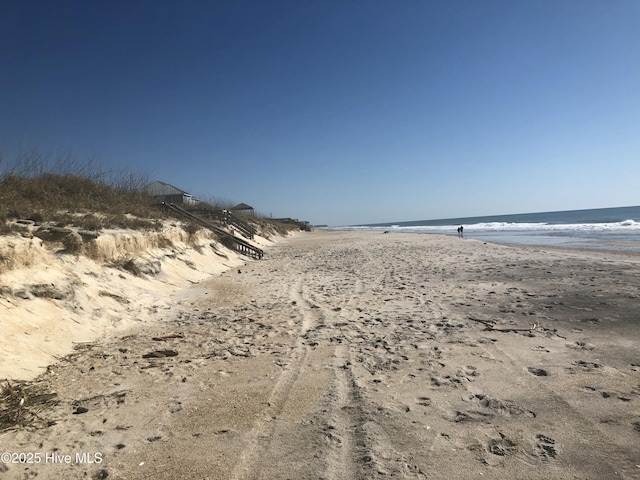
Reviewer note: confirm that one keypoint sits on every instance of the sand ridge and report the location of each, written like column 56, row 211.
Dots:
column 348, row 355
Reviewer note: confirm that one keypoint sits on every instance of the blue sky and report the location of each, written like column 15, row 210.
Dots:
column 337, row 112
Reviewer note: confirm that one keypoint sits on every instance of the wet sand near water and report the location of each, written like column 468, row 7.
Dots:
column 357, row 355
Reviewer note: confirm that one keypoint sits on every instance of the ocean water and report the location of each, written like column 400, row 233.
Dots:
column 602, row 228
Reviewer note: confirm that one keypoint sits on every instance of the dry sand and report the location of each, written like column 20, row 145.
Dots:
column 348, row 355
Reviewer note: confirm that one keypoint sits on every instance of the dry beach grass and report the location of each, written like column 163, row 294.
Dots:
column 347, row 355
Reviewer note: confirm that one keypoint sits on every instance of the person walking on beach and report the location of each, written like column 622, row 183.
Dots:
column 460, row 231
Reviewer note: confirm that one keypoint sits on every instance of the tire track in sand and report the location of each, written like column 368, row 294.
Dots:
column 260, row 438
column 345, row 421
column 341, row 422
column 347, row 453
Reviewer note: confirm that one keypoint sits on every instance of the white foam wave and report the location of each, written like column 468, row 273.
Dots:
column 627, row 225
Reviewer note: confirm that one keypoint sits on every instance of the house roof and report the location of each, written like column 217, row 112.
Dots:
column 159, row 188
column 242, row 206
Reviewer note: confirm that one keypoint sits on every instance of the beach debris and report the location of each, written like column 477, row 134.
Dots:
column 538, row 372
column 239, row 351
column 488, row 323
column 160, row 354
column 167, row 337
column 116, row 297
column 490, row 327
column 21, row 404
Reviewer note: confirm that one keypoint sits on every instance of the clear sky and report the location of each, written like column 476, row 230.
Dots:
column 338, row 111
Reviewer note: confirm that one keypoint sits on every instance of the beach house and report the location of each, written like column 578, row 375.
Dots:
column 164, row 192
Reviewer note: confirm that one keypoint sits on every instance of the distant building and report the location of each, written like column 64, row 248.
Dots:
column 163, row 192
column 244, row 208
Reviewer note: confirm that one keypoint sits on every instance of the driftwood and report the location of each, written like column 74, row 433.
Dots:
column 168, row 337
column 160, row 354
column 490, row 326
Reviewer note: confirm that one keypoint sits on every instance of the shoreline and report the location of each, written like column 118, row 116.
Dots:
column 631, row 248
column 349, row 354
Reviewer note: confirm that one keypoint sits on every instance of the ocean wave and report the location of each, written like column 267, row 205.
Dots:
column 626, row 225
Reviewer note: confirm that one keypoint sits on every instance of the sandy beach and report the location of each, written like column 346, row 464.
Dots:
column 357, row 355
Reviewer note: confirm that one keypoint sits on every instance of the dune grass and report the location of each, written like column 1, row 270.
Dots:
column 70, row 199
column 66, row 192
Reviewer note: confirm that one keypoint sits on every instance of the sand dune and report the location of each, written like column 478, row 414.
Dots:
column 348, row 355
column 50, row 300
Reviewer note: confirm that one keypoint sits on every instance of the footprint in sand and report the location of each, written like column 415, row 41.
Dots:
column 447, row 380
column 502, row 446
column 607, row 393
column 506, row 407
column 592, row 321
column 538, row 372
column 469, row 417
column 583, row 366
column 545, row 446
column 175, row 406
column 540, row 348
column 580, row 346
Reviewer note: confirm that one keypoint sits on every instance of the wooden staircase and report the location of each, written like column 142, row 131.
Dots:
column 243, row 227
column 240, row 245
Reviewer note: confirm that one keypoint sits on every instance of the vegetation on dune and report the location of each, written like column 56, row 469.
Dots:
column 71, row 199
column 65, row 192
column 68, row 193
